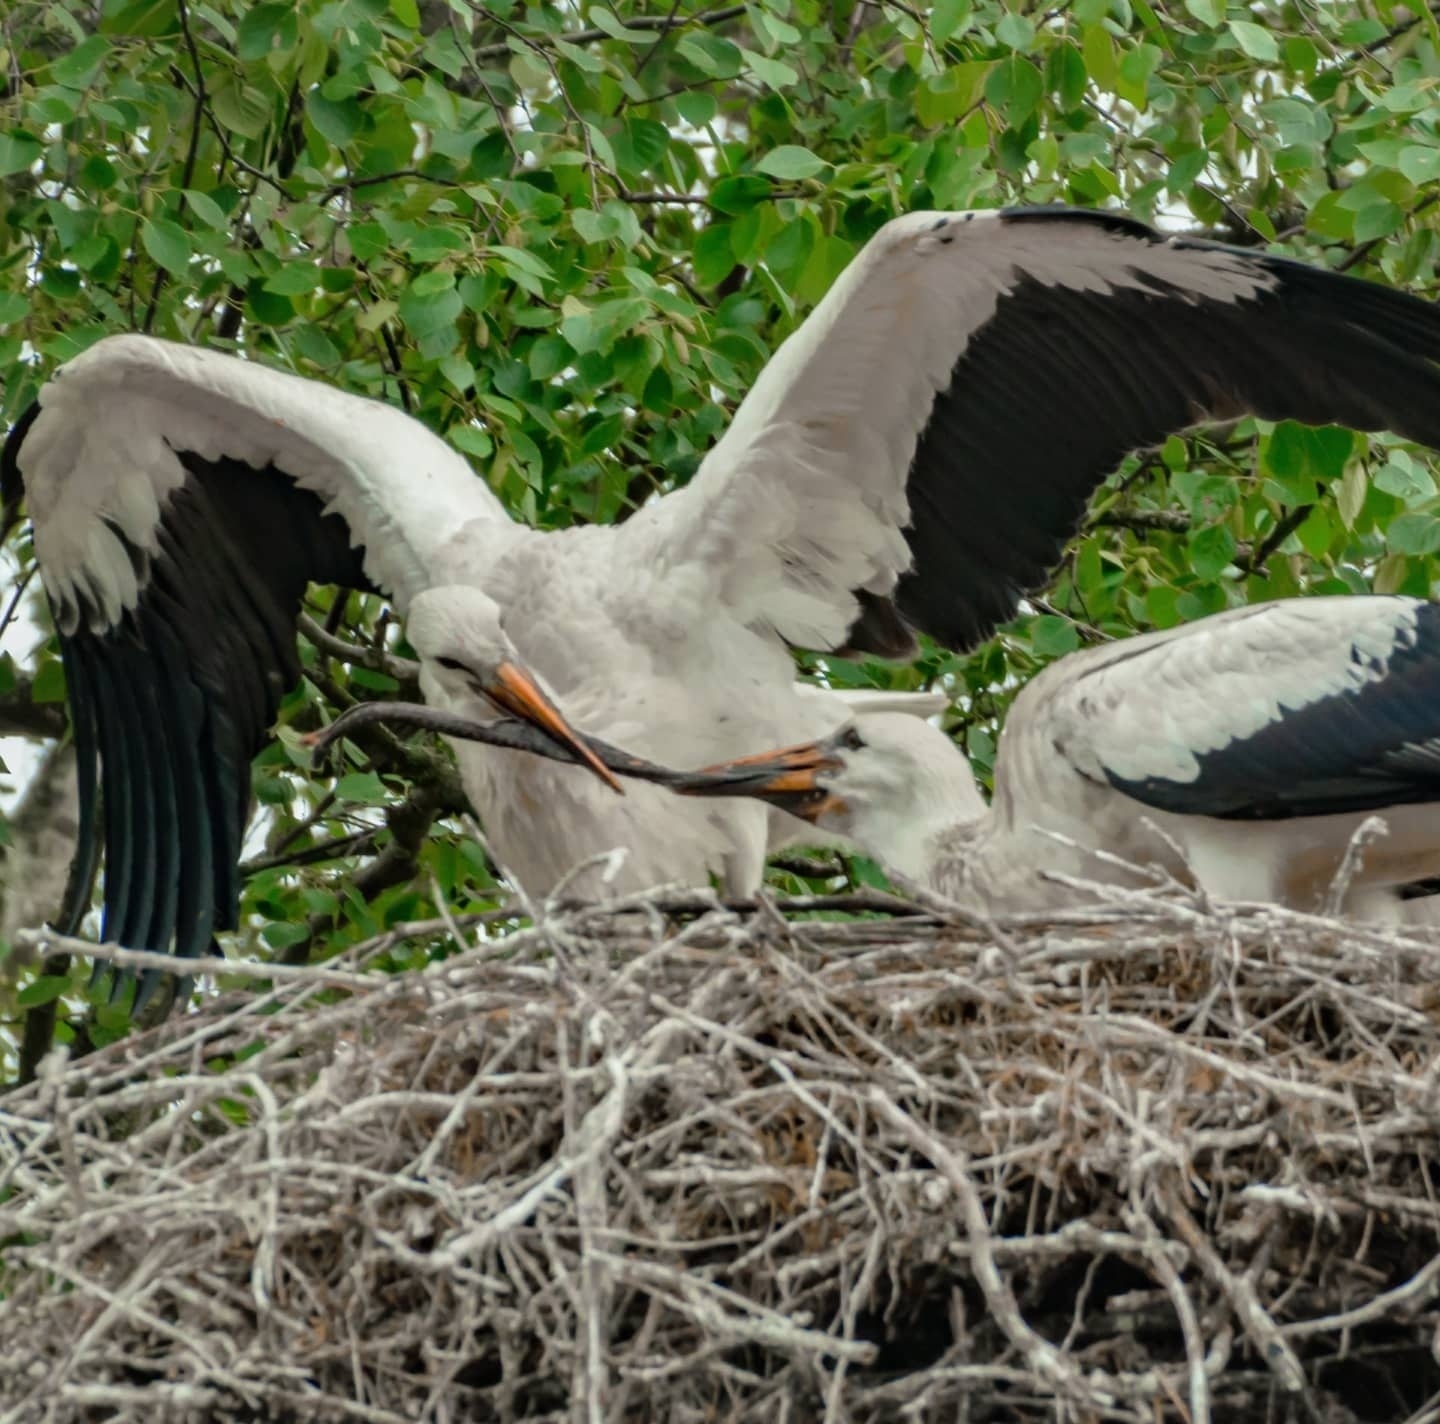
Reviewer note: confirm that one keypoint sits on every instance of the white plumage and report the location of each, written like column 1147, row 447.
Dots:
column 914, row 456
column 1255, row 742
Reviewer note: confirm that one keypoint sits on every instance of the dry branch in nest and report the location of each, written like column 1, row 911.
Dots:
column 668, row 1161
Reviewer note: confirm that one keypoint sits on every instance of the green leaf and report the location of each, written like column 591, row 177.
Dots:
column 18, row 152
column 1098, row 50
column 1350, row 494
column 949, row 18
column 239, row 106
column 1211, row 551
column 1015, row 30
column 944, row 97
column 295, row 279
column 774, row 73
column 266, row 29
column 1380, row 219
column 791, row 163
column 1405, row 478
column 268, row 308
column 595, row 329
column 206, row 209
column 375, row 681
column 1206, row 497
column 1255, row 40
column 648, row 141
column 427, row 311
column 602, row 19
column 526, row 262
column 1298, row 457
column 282, row 934
column 49, row 684
column 368, row 240
column 459, row 372
column 44, row 990
column 147, row 18
column 364, row 787
column 272, row 790
column 1420, row 163
column 697, row 107
column 471, row 441
column 1414, row 534
column 1135, row 70
column 167, row 243
column 1208, row 12
column 338, row 120
column 315, row 346
column 407, row 12
column 1014, row 87
column 374, row 317
column 710, row 54
column 591, row 226
column 13, row 307
column 733, row 196
column 714, row 256
column 77, row 70
column 1052, row 637
column 1065, row 76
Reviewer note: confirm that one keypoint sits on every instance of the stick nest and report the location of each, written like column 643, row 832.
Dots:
column 1150, row 1160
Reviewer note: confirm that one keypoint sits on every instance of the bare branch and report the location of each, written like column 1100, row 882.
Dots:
column 661, row 23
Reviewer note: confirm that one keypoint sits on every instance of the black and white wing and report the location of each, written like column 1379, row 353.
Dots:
column 1300, row 708
column 920, row 450
column 181, row 500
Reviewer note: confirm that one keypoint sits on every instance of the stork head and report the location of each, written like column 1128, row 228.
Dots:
column 887, row 780
column 469, row 666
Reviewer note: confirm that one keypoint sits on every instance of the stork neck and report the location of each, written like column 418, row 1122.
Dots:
column 935, row 826
column 936, row 846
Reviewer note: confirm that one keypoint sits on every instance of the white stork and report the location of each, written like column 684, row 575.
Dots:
column 1257, row 740
column 916, row 455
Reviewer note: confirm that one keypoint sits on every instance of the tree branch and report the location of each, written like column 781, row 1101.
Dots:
column 662, row 23
column 409, row 823
column 403, row 670
column 1248, row 561
column 22, row 717
column 1143, row 521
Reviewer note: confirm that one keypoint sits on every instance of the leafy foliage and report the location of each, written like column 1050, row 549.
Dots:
column 570, row 238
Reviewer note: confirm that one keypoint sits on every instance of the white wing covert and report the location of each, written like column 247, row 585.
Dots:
column 1300, row 708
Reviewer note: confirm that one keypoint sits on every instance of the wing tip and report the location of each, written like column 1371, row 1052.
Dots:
column 879, row 630
column 12, row 482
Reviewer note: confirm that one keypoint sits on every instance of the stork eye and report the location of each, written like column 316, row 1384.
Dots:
column 453, row 664
column 852, row 740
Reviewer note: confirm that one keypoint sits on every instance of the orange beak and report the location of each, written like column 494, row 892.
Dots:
column 513, row 690
column 788, row 778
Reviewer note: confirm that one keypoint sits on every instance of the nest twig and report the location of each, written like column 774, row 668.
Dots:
column 1150, row 1160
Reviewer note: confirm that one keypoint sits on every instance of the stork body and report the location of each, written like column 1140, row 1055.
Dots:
column 1256, row 742
column 915, row 455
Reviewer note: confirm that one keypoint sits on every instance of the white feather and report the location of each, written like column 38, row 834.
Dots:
column 112, row 419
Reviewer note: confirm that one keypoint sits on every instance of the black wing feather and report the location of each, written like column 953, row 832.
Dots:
column 1356, row 751
column 1060, row 385
column 176, row 699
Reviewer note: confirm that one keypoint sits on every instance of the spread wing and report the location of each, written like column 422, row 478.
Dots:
column 919, row 451
column 181, row 501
